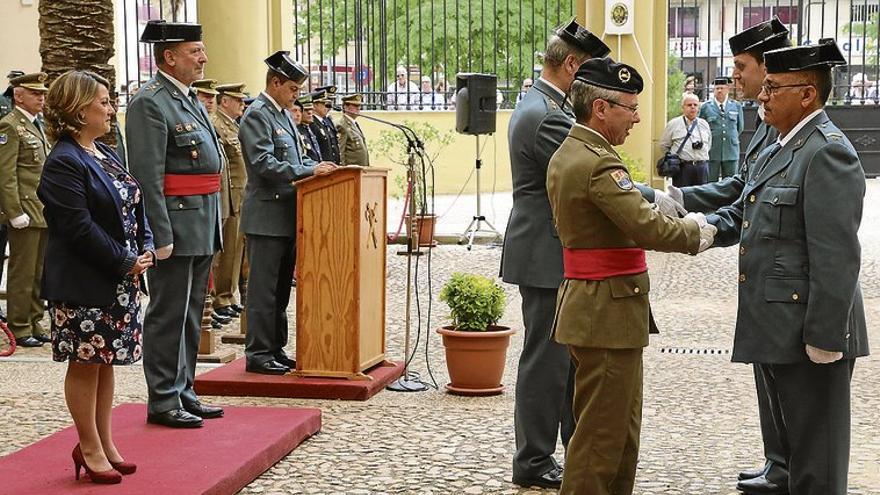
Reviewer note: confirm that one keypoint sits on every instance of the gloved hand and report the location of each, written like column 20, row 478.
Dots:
column 821, row 356
column 164, row 252
column 20, row 221
column 697, row 217
column 707, row 237
column 676, row 194
column 667, row 205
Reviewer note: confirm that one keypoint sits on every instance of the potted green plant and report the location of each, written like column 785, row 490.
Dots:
column 476, row 347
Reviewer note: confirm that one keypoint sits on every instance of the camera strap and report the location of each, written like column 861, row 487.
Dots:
column 686, row 136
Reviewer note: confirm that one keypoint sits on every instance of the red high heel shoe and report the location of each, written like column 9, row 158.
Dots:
column 109, row 477
column 123, row 467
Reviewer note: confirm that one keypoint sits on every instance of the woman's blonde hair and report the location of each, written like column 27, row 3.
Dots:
column 68, row 96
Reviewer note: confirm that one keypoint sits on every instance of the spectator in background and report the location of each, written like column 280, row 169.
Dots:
column 447, row 93
column 431, row 100
column 725, row 118
column 526, row 86
column 402, row 94
column 862, row 91
column 690, row 85
column 694, row 152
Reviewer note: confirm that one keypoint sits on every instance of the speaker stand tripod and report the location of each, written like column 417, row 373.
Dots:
column 475, row 226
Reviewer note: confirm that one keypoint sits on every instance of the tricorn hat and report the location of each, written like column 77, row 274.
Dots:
column 764, row 36
column 281, row 63
column 719, row 81
column 608, row 74
column 159, row 31
column 577, row 35
column 824, row 55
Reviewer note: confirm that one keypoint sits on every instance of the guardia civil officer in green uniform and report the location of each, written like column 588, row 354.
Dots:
column 175, row 155
column 227, row 269
column 725, row 118
column 352, row 143
column 322, row 126
column 5, row 107
column 310, row 142
column 800, row 316
column 23, row 150
column 748, row 49
column 603, row 311
column 274, row 158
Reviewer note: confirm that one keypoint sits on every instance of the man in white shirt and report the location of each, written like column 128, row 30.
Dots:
column 694, row 153
column 429, row 99
column 402, row 94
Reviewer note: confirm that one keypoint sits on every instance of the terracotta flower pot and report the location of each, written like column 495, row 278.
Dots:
column 475, row 360
column 425, row 227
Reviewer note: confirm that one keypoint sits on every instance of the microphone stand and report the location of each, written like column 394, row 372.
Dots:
column 406, row 383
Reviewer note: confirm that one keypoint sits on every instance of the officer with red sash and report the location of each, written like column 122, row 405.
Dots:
column 175, row 155
column 603, row 312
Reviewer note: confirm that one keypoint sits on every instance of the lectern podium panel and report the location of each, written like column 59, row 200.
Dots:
column 340, row 285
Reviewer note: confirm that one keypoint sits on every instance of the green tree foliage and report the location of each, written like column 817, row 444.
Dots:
column 440, row 37
column 869, row 30
column 674, row 87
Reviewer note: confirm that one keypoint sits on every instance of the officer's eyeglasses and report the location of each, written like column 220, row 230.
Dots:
column 633, row 109
column 771, row 88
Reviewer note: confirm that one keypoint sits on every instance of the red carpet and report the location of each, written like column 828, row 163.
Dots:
column 232, row 380
column 220, row 458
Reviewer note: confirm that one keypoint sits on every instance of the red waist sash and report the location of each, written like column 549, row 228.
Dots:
column 599, row 264
column 191, row 184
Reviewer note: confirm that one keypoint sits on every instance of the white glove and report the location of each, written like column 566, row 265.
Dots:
column 697, row 217
column 821, row 356
column 676, row 194
column 707, row 237
column 20, row 221
column 667, row 205
column 164, row 252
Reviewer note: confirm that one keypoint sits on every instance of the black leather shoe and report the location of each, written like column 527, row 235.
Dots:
column 293, row 283
column 28, row 342
column 238, row 307
column 286, row 361
column 754, row 473
column 270, row 367
column 43, row 338
column 550, row 479
column 175, row 418
column 216, row 324
column 223, row 320
column 203, row 411
column 761, row 485
column 227, row 311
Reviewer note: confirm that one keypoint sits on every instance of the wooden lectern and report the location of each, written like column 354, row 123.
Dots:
column 340, row 284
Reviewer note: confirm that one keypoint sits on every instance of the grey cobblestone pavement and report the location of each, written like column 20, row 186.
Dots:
column 700, row 416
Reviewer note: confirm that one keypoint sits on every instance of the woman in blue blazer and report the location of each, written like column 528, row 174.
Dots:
column 99, row 245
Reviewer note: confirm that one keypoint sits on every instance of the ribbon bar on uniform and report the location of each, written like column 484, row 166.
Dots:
column 599, row 264
column 191, row 184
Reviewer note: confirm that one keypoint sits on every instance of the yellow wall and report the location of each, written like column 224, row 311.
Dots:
column 19, row 38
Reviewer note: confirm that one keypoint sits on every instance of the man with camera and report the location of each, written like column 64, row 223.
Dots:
column 689, row 137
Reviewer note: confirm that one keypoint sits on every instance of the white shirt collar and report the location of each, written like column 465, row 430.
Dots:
column 800, row 125
column 348, row 117
column 720, row 102
column 182, row 87
column 553, row 86
column 593, row 131
column 761, row 111
column 272, row 100
column 27, row 114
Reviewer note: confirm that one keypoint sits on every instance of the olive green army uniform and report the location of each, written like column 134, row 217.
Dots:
column 605, row 321
column 352, row 144
column 23, row 150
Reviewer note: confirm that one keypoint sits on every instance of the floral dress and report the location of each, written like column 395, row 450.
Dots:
column 112, row 334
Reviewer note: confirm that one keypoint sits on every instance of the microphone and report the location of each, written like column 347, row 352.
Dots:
column 410, row 135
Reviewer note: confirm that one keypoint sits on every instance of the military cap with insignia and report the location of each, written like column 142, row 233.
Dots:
column 574, row 33
column 12, row 73
column 235, row 90
column 35, row 81
column 305, row 102
column 608, row 74
column 318, row 96
column 353, row 99
column 207, row 86
column 329, row 89
column 807, row 57
column 764, row 36
column 281, row 63
column 159, row 31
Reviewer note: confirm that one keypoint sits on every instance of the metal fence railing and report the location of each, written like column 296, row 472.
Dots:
column 361, row 45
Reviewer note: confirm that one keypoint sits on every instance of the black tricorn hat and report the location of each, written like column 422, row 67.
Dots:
column 159, row 31
column 281, row 63
column 764, row 36
column 824, row 55
column 721, row 80
column 608, row 74
column 578, row 36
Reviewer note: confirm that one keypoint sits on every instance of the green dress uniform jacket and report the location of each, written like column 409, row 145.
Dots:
column 23, row 150
column 797, row 223
column 352, row 144
column 726, row 127
column 596, row 206
column 167, row 132
column 227, row 264
column 227, row 130
column 274, row 159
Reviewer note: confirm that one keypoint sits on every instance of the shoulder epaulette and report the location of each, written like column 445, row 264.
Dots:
column 830, row 131
column 595, row 148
